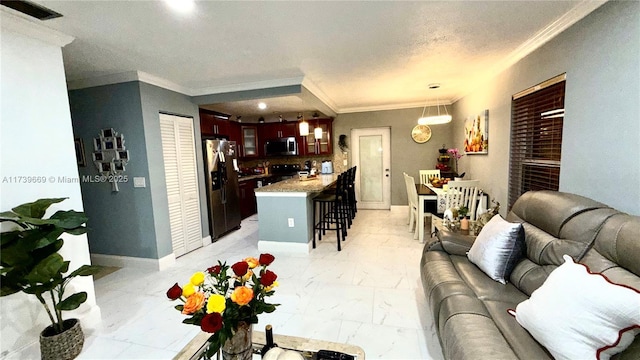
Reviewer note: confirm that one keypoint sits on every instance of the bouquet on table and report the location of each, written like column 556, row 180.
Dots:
column 219, row 301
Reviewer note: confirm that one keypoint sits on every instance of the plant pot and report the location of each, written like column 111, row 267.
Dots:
column 64, row 346
column 238, row 347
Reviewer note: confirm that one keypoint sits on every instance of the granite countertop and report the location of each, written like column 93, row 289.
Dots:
column 251, row 177
column 296, row 185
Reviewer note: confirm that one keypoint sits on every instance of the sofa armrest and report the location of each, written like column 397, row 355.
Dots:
column 452, row 242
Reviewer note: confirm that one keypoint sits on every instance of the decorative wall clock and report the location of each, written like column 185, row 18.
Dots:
column 421, row 134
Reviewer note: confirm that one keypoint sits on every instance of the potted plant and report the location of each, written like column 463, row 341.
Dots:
column 30, row 263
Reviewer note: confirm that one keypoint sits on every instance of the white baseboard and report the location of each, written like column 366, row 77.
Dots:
column 207, row 240
column 404, row 208
column 91, row 319
column 284, row 247
column 133, row 262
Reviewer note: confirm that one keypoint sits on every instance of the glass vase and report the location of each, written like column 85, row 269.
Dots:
column 239, row 346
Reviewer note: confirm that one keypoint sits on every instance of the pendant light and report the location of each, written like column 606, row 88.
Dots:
column 304, row 126
column 435, row 119
column 317, row 132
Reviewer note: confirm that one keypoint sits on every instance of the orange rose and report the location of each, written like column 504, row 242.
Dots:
column 194, row 303
column 242, row 295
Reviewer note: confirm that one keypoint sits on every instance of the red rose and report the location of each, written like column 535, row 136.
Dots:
column 214, row 270
column 211, row 322
column 266, row 259
column 240, row 268
column 268, row 278
column 175, row 292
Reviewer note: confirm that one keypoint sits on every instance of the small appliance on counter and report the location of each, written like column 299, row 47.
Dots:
column 327, row 167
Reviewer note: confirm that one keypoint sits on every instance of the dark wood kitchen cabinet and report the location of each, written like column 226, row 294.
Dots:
column 248, row 203
column 249, row 147
column 312, row 146
column 269, row 131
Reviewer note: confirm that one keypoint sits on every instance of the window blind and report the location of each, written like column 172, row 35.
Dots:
column 537, row 115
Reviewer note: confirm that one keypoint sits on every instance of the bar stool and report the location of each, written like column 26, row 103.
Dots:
column 351, row 192
column 330, row 210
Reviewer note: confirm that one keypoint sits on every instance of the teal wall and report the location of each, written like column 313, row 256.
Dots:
column 273, row 213
column 120, row 223
column 133, row 222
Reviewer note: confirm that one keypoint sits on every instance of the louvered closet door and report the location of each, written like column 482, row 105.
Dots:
column 178, row 149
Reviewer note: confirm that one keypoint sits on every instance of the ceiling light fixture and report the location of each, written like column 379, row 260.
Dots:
column 304, row 126
column 262, row 106
column 182, row 6
column 434, row 119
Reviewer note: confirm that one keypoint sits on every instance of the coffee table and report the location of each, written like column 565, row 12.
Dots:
column 307, row 347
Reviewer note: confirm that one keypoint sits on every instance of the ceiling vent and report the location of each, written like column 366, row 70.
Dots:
column 37, row 11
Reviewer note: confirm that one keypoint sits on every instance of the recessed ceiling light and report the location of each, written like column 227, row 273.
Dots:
column 262, row 106
column 181, row 5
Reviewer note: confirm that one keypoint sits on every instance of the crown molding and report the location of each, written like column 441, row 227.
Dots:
column 321, row 95
column 410, row 105
column 163, row 83
column 14, row 21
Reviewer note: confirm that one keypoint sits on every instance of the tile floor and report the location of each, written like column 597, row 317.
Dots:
column 369, row 295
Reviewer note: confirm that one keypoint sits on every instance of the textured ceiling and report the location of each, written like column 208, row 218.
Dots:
column 359, row 55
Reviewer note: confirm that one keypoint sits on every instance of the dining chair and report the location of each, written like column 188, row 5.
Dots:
column 463, row 193
column 425, row 175
column 412, row 195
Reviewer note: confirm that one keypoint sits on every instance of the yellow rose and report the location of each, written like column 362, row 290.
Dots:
column 194, row 303
column 217, row 303
column 253, row 262
column 247, row 276
column 197, row 279
column 188, row 290
column 270, row 287
column 242, row 295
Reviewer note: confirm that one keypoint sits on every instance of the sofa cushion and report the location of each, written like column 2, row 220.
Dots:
column 498, row 248
column 576, row 314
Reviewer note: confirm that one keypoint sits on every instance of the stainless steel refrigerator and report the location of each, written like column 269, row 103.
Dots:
column 223, row 193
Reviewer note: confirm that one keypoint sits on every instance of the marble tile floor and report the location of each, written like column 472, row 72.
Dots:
column 369, row 295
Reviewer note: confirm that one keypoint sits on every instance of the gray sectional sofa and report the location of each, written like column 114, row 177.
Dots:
column 470, row 309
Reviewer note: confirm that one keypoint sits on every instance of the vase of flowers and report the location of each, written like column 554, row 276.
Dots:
column 226, row 301
column 455, row 154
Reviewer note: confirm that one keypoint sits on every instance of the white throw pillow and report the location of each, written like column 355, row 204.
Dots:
column 576, row 314
column 498, row 248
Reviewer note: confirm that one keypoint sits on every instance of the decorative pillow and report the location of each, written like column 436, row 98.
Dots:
column 577, row 314
column 498, row 248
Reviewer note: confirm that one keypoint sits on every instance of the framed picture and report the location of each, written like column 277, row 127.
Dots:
column 107, row 132
column 80, row 158
column 476, row 134
column 108, row 145
column 119, row 142
column 106, row 166
column 118, row 165
column 97, row 144
column 97, row 156
column 123, row 155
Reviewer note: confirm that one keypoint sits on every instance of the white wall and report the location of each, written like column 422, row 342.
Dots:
column 601, row 134
column 36, row 139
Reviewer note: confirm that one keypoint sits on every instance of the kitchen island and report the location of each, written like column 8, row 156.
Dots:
column 285, row 213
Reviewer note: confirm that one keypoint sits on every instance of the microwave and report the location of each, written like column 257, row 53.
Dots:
column 281, row 146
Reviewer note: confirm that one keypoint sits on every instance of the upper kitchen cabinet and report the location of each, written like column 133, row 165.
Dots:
column 321, row 146
column 211, row 123
column 249, row 144
column 270, row 131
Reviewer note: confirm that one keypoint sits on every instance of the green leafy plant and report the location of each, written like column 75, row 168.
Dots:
column 29, row 258
column 463, row 211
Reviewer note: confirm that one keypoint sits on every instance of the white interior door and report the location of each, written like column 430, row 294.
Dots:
column 372, row 155
column 179, row 151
